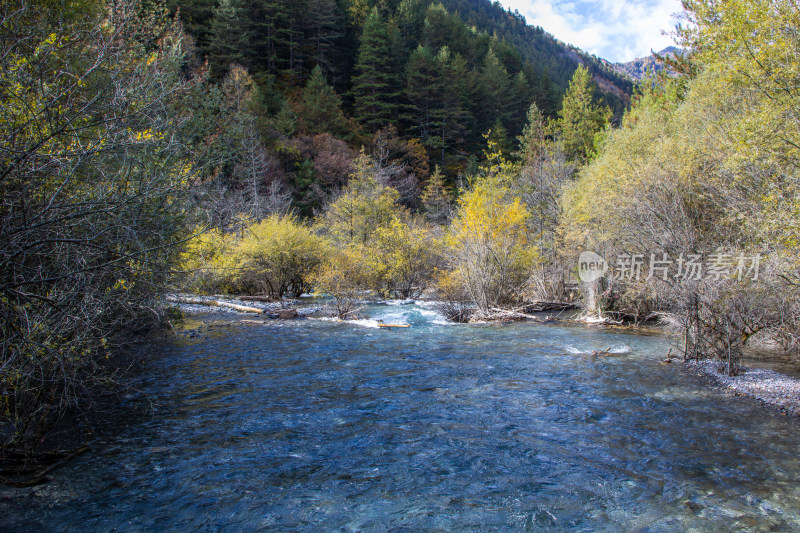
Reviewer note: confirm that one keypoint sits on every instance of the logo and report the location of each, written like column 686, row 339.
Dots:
column 591, row 267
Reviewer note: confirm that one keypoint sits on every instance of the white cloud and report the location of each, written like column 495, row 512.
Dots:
column 617, row 30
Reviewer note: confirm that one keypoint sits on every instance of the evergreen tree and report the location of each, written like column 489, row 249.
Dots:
column 436, row 199
column 494, row 91
column 374, row 84
column 453, row 117
column 546, row 95
column 272, row 16
column 424, row 89
column 321, row 108
column 227, row 36
column 532, row 140
column 580, row 117
column 322, row 30
column 521, row 96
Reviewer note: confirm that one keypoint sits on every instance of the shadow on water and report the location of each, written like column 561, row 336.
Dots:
column 318, row 425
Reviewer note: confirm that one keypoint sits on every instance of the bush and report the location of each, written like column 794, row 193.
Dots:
column 275, row 256
column 278, row 255
column 344, row 277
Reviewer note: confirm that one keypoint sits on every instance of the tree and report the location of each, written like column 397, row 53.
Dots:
column 364, row 205
column 96, row 170
column 521, row 96
column 453, row 117
column 543, row 173
column 250, row 174
column 488, row 244
column 342, row 276
column 751, row 48
column 322, row 31
column 320, row 109
column 532, row 142
column 494, row 92
column 423, row 92
column 403, row 257
column 436, row 199
column 580, row 117
column 374, row 86
column 228, row 34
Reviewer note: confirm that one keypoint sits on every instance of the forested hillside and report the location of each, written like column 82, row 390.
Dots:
column 441, row 73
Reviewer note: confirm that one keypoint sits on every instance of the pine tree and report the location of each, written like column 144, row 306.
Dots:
column 521, row 96
column 545, row 95
column 374, row 84
column 321, row 108
column 580, row 116
column 321, row 26
column 423, row 94
column 532, row 140
column 227, row 32
column 494, row 90
column 436, row 199
column 453, row 116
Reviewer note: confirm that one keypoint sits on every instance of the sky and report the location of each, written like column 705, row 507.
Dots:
column 616, row 30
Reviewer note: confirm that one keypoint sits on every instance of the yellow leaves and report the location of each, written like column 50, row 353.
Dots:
column 402, row 256
column 749, row 49
column 46, row 45
column 145, row 136
column 486, row 212
column 489, row 245
column 496, row 164
column 265, row 256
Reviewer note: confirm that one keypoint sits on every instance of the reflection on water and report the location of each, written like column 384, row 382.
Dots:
column 315, row 425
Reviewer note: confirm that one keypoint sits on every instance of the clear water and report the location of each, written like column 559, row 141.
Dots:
column 324, row 426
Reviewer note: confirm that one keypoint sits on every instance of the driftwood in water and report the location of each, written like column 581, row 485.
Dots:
column 265, row 299
column 23, row 476
column 215, row 303
column 382, row 325
column 540, row 306
column 497, row 314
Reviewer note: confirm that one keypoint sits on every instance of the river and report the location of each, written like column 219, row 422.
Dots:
column 313, row 425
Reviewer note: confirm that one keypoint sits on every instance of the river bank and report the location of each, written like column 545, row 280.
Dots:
column 771, row 388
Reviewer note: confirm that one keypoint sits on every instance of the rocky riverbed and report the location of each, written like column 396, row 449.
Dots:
column 768, row 386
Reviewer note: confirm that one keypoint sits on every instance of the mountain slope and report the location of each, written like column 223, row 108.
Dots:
column 638, row 68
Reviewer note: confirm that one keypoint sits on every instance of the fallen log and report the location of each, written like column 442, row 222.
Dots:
column 215, row 303
column 496, row 314
column 542, row 306
column 382, row 325
column 40, row 477
column 265, row 299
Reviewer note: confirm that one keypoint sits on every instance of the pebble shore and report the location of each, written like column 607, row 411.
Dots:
column 772, row 388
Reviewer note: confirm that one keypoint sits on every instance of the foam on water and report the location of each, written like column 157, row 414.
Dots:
column 620, row 349
column 407, row 312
